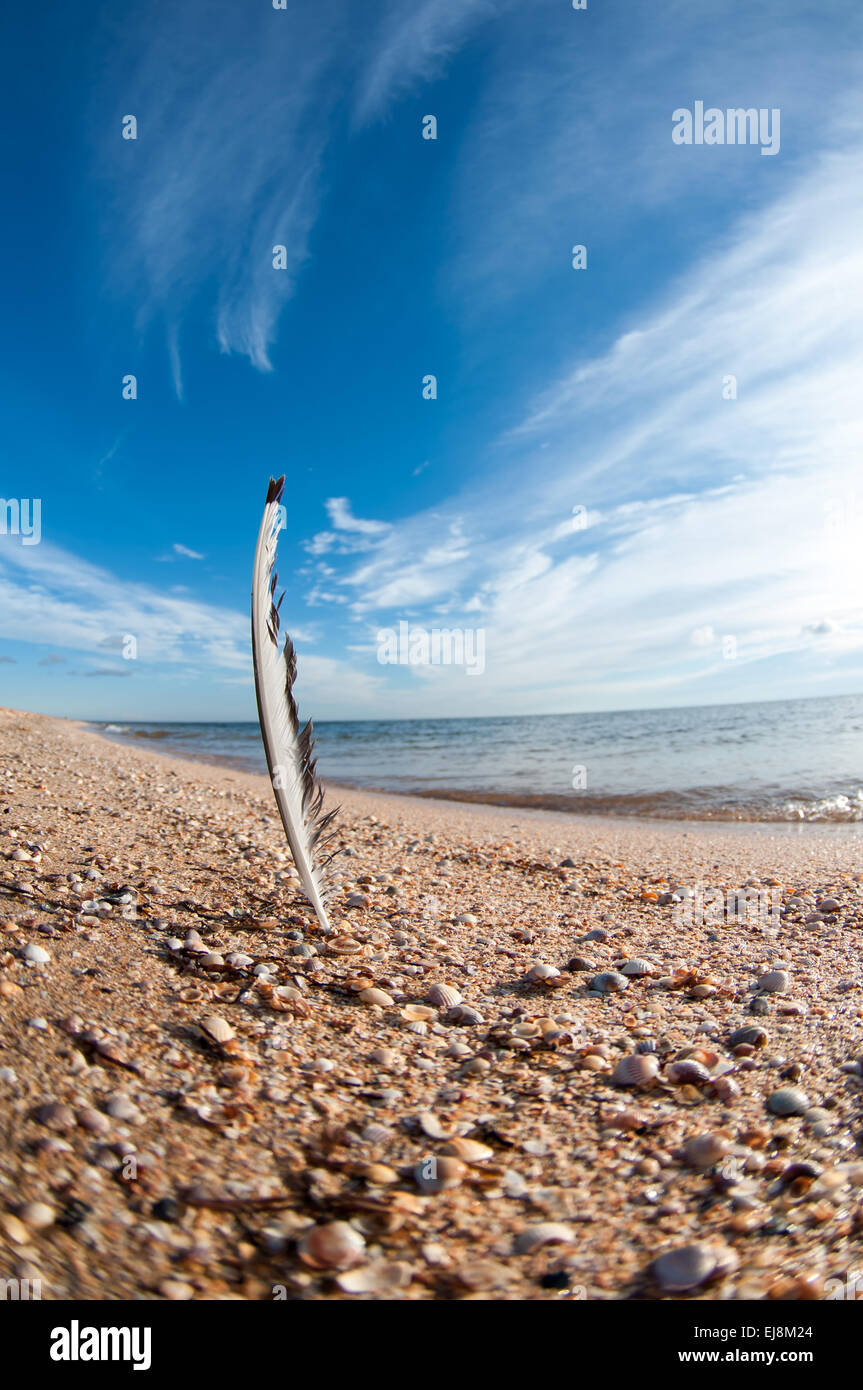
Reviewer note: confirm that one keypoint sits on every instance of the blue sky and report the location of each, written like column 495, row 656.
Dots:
column 707, row 518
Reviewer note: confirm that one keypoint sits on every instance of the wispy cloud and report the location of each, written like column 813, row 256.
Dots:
column 706, row 517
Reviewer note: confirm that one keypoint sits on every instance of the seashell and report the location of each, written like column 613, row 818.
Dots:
column 774, row 982
column 384, row 1276
column 438, row 1174
column 704, row 1055
column 725, row 1088
column 469, row 1150
column 443, row 996
column 689, row 1266
column 343, row 945
column 526, row 1030
column 637, row 967
column 465, row 1015
column 417, row 1013
column 421, row 1029
column 378, row 997
column 704, row 1150
column 638, row 1070
column 37, row 1215
column 748, row 1037
column 379, row 1174
column 239, row 959
column 646, row 1045
column 687, row 1073
column 788, row 1100
column 432, row 1127
column 544, row 1233
column 335, row 1245
column 216, row 1030
column 54, row 1115
column 538, row 973
column 609, row 982
column 36, row 955
column 578, row 963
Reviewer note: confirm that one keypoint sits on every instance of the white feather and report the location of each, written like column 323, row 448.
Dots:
column 289, row 751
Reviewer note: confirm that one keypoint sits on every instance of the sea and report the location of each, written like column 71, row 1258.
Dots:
column 778, row 760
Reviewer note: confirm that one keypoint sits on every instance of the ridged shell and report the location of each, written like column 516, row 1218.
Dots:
column 443, row 996
column 636, row 967
column 637, row 1070
column 687, row 1267
column 688, row 1073
column 609, row 982
column 218, row 1030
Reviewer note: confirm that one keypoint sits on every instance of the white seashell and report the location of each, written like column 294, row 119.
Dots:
column 545, row 1233
column 638, row 1070
column 469, row 1150
column 216, row 1029
column 37, row 955
column 443, row 996
column 541, row 972
column 636, row 967
column 376, row 996
column 384, row 1276
column 774, row 982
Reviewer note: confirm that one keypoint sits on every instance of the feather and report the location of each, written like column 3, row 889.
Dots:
column 289, row 750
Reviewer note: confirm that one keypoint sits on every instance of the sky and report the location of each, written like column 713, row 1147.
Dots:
column 638, row 478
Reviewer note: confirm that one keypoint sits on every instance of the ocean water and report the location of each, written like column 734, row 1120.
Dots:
column 785, row 760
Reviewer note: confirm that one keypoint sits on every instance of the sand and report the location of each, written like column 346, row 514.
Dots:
column 325, row 1145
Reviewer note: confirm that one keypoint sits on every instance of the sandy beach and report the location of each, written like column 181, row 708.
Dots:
column 510, row 1071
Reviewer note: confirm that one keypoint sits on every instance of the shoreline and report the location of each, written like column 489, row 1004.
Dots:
column 352, row 1131
column 466, row 798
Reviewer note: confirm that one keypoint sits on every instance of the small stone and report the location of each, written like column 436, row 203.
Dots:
column 176, row 1290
